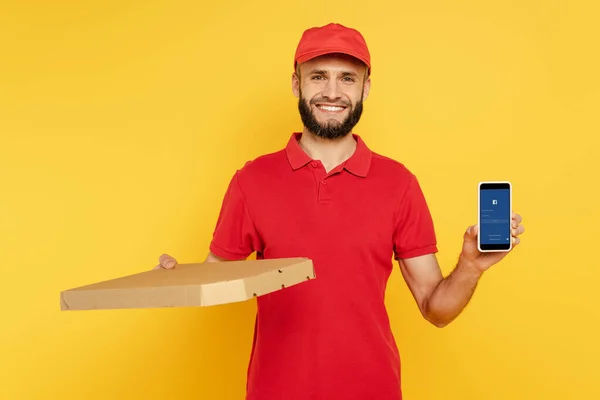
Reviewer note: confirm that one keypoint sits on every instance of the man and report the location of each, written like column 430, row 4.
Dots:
column 327, row 197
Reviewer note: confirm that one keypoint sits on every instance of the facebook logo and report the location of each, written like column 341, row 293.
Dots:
column 495, row 202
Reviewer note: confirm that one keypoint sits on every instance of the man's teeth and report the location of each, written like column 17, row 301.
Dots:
column 331, row 108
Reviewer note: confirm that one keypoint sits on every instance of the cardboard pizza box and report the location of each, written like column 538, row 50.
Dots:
column 189, row 285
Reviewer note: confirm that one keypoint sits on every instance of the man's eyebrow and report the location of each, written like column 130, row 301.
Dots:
column 324, row 72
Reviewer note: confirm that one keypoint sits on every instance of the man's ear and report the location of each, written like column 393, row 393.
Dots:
column 295, row 85
column 366, row 88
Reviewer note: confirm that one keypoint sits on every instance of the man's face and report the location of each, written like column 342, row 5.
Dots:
column 331, row 90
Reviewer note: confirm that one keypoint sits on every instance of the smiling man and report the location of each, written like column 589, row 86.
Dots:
column 328, row 197
column 324, row 112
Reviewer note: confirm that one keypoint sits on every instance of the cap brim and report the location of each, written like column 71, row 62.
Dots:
column 321, row 52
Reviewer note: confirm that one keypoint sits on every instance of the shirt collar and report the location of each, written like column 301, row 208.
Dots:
column 358, row 164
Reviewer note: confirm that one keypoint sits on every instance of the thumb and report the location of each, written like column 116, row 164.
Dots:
column 167, row 262
column 472, row 231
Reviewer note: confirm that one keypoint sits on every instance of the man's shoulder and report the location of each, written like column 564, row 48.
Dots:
column 267, row 163
column 381, row 164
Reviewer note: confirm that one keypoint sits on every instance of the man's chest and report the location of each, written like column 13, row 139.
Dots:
column 342, row 214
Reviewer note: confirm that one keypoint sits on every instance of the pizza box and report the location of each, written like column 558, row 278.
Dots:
column 191, row 285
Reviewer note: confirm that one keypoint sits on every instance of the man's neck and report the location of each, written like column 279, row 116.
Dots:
column 331, row 153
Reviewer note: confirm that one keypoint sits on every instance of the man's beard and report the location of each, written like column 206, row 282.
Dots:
column 331, row 129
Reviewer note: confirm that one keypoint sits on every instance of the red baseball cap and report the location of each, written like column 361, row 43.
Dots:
column 332, row 38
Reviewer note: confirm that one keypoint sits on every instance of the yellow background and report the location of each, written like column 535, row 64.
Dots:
column 121, row 123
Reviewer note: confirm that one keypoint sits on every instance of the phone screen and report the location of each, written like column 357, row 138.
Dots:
column 495, row 216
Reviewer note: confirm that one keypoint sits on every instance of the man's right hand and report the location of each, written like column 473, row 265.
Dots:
column 166, row 262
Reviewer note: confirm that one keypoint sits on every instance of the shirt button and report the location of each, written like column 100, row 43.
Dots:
column 324, row 182
column 314, row 164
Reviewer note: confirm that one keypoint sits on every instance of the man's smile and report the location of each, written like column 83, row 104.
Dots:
column 330, row 108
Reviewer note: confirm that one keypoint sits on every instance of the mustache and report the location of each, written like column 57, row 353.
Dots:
column 337, row 103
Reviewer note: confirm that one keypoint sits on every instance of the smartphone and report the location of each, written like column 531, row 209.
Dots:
column 495, row 216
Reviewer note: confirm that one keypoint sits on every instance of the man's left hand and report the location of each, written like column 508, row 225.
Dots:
column 471, row 255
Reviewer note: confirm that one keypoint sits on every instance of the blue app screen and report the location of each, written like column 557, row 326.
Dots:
column 495, row 216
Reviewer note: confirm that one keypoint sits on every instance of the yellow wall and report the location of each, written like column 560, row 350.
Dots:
column 122, row 122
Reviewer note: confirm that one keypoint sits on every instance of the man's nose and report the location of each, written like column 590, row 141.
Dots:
column 331, row 91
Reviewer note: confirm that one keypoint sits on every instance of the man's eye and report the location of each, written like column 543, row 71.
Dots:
column 317, row 77
column 348, row 79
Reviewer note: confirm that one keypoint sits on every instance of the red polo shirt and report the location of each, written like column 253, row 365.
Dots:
column 328, row 338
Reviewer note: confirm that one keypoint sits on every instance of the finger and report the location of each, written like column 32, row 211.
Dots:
column 516, row 219
column 518, row 230
column 516, row 241
column 168, row 262
column 163, row 258
column 157, row 267
column 472, row 231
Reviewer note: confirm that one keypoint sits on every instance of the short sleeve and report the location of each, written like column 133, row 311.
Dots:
column 235, row 236
column 414, row 233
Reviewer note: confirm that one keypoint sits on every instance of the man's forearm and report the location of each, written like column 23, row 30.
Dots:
column 452, row 294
